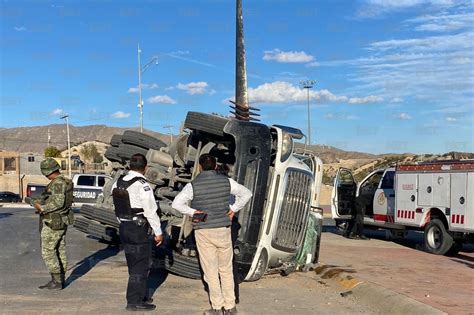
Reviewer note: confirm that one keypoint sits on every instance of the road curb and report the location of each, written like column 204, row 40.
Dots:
column 15, row 205
column 385, row 300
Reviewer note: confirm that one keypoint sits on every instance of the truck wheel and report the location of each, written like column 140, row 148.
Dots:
column 111, row 154
column 102, row 215
column 454, row 250
column 437, row 240
column 116, row 140
column 262, row 264
column 142, row 140
column 205, row 122
column 166, row 258
column 97, row 230
column 125, row 151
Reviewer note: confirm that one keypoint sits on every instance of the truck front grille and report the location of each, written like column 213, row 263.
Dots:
column 294, row 211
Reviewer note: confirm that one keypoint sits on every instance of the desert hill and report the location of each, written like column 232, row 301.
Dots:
column 35, row 139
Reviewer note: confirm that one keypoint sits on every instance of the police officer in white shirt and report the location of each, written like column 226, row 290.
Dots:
column 135, row 208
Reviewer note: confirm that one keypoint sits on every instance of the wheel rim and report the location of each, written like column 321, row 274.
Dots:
column 435, row 237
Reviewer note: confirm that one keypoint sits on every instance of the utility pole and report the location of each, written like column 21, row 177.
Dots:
column 308, row 84
column 49, row 137
column 68, row 144
column 153, row 61
column 170, row 129
column 140, row 101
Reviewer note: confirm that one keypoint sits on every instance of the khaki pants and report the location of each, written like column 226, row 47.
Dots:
column 215, row 255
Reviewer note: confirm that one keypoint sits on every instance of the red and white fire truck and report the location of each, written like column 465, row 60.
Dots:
column 437, row 197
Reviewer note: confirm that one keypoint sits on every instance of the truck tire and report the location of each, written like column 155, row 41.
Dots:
column 102, row 215
column 262, row 264
column 455, row 249
column 111, row 154
column 97, row 230
column 187, row 267
column 125, row 151
column 142, row 140
column 116, row 140
column 438, row 241
column 205, row 122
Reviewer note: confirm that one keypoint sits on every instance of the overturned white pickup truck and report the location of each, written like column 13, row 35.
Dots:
column 279, row 228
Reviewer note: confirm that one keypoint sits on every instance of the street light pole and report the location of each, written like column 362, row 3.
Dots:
column 308, row 84
column 68, row 144
column 170, row 128
column 140, row 101
column 153, row 61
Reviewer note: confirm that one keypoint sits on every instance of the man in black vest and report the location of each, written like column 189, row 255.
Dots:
column 135, row 207
column 210, row 193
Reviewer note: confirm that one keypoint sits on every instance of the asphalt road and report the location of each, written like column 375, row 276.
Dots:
column 97, row 279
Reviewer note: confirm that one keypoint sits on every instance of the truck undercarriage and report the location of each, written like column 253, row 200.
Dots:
column 246, row 151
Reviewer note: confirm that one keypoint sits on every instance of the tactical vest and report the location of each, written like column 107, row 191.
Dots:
column 211, row 194
column 123, row 209
column 68, row 196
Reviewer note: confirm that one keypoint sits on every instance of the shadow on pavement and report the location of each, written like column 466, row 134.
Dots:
column 85, row 265
column 463, row 259
column 155, row 279
column 5, row 215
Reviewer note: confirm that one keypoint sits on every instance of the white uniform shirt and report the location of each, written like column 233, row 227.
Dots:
column 182, row 200
column 141, row 196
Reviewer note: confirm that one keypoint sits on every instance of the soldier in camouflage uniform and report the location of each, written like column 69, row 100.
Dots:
column 54, row 208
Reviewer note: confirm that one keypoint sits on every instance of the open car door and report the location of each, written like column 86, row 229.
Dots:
column 343, row 194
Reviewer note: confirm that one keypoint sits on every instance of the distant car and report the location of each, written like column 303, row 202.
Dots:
column 8, row 196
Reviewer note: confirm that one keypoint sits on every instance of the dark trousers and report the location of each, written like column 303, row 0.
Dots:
column 137, row 245
column 356, row 225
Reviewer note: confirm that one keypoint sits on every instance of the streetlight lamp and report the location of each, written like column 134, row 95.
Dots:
column 153, row 61
column 68, row 144
column 170, row 129
column 308, row 84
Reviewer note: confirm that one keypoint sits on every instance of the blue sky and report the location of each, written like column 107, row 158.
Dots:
column 391, row 76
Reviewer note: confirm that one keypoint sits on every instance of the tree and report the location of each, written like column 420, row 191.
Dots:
column 52, row 151
column 91, row 154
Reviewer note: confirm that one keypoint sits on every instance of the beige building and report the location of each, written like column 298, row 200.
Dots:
column 19, row 169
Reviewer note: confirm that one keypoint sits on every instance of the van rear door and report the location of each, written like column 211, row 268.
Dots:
column 343, row 194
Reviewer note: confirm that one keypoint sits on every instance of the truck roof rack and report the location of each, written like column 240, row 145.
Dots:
column 439, row 166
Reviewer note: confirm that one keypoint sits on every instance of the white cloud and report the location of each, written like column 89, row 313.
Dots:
column 339, row 116
column 57, row 112
column 287, row 56
column 396, row 100
column 120, row 115
column 451, row 119
column 443, row 22
column 285, row 92
column 461, row 60
column 365, row 99
column 403, row 116
column 429, row 68
column 20, row 28
column 145, row 86
column 194, row 87
column 313, row 64
column 374, row 8
column 161, row 99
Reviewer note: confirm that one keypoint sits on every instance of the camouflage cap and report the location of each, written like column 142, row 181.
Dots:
column 49, row 166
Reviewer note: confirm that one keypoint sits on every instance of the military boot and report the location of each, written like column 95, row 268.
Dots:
column 54, row 284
